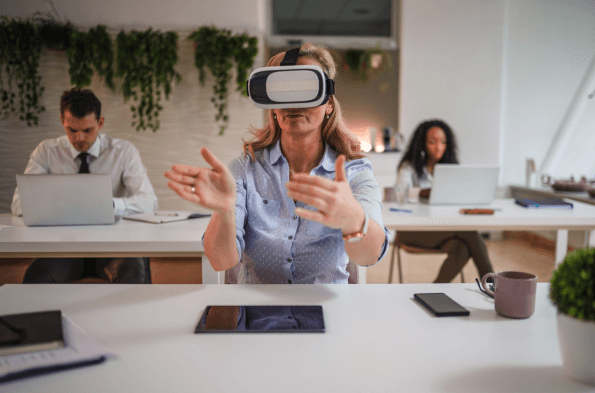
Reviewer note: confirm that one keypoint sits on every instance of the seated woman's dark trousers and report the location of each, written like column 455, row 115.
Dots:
column 458, row 245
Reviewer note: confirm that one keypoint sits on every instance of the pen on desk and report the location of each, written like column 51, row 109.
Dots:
column 392, row 209
column 166, row 214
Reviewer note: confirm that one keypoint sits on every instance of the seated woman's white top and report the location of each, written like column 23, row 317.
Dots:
column 407, row 178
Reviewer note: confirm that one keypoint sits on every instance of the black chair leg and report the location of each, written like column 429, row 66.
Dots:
column 399, row 265
column 147, row 264
column 392, row 265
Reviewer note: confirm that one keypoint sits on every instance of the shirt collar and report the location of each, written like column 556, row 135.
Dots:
column 328, row 158
column 275, row 152
column 94, row 150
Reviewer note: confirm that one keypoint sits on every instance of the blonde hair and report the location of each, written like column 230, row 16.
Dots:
column 334, row 130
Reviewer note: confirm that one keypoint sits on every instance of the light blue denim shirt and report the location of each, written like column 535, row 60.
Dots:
column 275, row 245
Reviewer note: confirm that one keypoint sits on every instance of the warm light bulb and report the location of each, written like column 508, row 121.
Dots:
column 366, row 147
column 376, row 60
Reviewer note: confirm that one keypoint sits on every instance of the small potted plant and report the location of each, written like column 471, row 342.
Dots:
column 572, row 290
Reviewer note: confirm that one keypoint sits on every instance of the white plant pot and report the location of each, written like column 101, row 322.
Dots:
column 577, row 344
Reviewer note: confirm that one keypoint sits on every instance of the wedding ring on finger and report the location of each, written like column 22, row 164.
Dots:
column 193, row 189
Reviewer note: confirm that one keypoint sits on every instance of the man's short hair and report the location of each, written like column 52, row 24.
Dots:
column 80, row 102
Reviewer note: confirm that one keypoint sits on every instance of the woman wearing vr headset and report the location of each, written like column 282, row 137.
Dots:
column 302, row 200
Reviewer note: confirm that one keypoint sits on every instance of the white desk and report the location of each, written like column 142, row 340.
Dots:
column 510, row 217
column 378, row 339
column 549, row 192
column 125, row 238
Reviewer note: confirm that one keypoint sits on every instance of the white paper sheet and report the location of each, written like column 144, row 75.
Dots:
column 78, row 347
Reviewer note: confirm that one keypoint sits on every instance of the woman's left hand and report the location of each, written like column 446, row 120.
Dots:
column 335, row 204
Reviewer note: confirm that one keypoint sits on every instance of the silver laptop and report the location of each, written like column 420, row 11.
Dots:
column 464, row 184
column 81, row 199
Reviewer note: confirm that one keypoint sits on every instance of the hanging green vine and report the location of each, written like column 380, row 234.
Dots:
column 217, row 50
column 91, row 50
column 20, row 50
column 145, row 61
column 53, row 34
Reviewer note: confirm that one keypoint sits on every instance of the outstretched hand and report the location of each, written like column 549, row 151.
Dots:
column 335, row 204
column 214, row 188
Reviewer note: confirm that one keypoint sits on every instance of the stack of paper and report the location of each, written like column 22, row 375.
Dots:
column 79, row 350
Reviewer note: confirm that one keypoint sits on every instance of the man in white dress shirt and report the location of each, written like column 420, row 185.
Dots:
column 84, row 150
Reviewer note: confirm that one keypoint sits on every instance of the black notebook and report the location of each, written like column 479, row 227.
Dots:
column 550, row 203
column 31, row 332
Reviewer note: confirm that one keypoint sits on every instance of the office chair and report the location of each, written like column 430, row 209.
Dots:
column 398, row 245
column 231, row 275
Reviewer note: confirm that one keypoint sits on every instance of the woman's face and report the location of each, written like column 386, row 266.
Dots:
column 435, row 143
column 301, row 121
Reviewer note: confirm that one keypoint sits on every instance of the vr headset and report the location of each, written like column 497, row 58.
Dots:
column 289, row 85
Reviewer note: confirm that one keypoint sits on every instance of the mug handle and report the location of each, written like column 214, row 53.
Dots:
column 484, row 283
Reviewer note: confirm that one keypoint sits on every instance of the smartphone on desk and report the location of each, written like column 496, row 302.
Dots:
column 440, row 304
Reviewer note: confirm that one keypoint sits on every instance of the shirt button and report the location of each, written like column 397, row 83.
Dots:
column 290, row 237
column 289, row 281
column 294, row 217
column 289, row 260
column 265, row 201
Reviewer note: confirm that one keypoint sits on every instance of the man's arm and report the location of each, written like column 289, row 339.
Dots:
column 140, row 196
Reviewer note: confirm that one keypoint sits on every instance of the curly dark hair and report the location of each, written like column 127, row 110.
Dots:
column 416, row 153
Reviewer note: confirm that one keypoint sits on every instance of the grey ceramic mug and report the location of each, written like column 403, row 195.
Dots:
column 514, row 293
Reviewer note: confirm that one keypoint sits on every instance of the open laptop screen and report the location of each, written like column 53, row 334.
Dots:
column 464, row 184
column 79, row 199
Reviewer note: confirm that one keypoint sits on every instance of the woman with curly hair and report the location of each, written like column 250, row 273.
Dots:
column 433, row 142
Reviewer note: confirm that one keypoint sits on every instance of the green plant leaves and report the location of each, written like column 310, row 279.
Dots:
column 572, row 287
column 217, row 50
column 145, row 60
column 89, row 51
column 20, row 50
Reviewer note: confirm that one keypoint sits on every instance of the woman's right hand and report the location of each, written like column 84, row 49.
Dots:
column 214, row 188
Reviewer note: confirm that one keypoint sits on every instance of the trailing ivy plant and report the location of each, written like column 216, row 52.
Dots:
column 88, row 51
column 53, row 34
column 20, row 89
column 145, row 60
column 217, row 50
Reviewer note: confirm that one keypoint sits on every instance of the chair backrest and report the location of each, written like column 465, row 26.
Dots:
column 231, row 275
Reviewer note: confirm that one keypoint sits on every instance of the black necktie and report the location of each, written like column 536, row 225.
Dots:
column 84, row 165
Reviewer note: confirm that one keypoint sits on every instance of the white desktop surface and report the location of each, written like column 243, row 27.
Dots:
column 549, row 192
column 378, row 339
column 510, row 216
column 181, row 238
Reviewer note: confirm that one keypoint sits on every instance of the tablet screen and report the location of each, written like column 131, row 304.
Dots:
column 259, row 319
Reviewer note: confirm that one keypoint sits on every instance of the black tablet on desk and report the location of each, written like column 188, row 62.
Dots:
column 261, row 319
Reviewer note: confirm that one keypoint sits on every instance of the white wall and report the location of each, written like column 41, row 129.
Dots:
column 501, row 72
column 231, row 14
column 550, row 44
column 451, row 66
